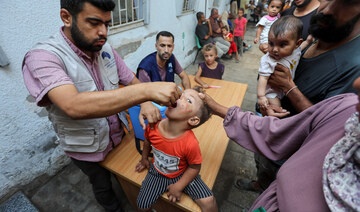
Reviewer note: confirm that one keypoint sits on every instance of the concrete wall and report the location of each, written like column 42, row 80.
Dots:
column 27, row 140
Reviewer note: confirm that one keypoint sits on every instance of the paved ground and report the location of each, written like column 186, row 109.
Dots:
column 70, row 190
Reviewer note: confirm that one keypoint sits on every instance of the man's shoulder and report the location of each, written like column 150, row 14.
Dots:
column 149, row 56
column 147, row 60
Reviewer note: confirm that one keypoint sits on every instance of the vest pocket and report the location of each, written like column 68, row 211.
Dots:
column 86, row 85
column 80, row 139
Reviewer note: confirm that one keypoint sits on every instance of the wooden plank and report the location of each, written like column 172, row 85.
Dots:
column 212, row 139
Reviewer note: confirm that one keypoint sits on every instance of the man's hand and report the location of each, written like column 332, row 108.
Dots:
column 174, row 193
column 150, row 112
column 256, row 40
column 143, row 163
column 281, row 78
column 275, row 111
column 163, row 93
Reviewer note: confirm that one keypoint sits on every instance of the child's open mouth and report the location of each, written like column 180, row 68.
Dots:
column 173, row 106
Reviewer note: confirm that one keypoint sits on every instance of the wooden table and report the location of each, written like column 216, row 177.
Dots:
column 213, row 143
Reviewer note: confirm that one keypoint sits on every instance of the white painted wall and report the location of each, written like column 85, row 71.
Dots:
column 27, row 148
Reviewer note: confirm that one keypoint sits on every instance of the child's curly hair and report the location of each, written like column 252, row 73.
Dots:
column 205, row 111
column 209, row 47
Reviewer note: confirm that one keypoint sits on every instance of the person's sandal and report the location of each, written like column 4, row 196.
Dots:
column 247, row 184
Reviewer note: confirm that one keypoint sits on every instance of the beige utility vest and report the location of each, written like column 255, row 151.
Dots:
column 87, row 135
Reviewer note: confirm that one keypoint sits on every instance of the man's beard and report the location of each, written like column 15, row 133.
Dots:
column 163, row 57
column 80, row 40
column 306, row 2
column 327, row 30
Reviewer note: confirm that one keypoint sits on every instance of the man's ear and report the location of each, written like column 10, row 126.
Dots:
column 66, row 17
column 299, row 42
column 194, row 121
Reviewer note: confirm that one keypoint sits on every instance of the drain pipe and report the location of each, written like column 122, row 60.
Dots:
column 205, row 7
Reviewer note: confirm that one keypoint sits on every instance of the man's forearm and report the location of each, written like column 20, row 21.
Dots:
column 298, row 100
column 98, row 104
column 135, row 81
column 185, row 81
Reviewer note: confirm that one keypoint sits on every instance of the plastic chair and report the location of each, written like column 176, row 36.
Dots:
column 198, row 46
column 138, row 130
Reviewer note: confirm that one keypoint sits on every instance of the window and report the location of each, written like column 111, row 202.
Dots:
column 188, row 5
column 184, row 6
column 128, row 12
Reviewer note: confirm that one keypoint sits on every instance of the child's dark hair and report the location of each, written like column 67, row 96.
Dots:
column 209, row 47
column 242, row 9
column 282, row 3
column 225, row 27
column 205, row 111
column 287, row 24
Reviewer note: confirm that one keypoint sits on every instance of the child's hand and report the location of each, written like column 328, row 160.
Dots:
column 256, row 40
column 310, row 39
column 143, row 163
column 174, row 193
column 242, row 37
column 205, row 85
column 263, row 102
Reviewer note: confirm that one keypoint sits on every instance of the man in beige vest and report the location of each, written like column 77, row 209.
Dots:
column 76, row 75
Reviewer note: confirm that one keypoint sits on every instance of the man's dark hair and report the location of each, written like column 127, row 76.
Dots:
column 213, row 11
column 205, row 111
column 76, row 6
column 286, row 24
column 198, row 15
column 166, row 34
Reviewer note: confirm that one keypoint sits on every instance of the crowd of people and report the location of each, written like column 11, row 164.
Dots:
column 306, row 134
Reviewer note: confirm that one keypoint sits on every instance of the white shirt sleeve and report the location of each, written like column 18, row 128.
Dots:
column 267, row 65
